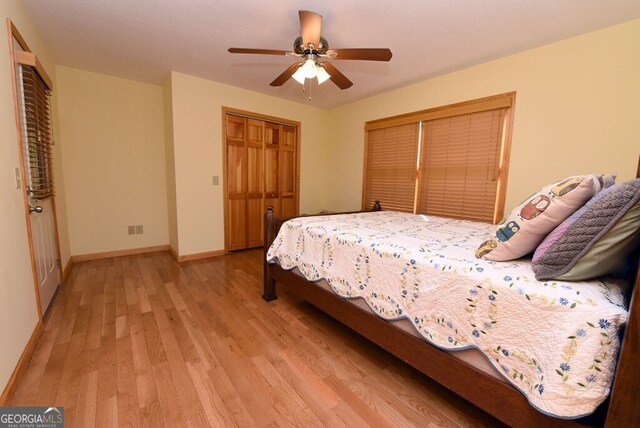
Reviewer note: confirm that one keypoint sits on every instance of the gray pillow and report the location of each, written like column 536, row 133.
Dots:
column 564, row 247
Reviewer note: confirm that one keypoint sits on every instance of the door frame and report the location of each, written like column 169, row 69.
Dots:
column 32, row 60
column 251, row 115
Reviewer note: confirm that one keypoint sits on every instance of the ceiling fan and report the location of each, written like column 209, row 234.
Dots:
column 311, row 46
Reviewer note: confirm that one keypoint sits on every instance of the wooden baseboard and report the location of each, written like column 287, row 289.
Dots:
column 119, row 253
column 174, row 253
column 66, row 271
column 23, row 362
column 198, row 256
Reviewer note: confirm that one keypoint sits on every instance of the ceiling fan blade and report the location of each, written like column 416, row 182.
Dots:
column 310, row 27
column 258, row 51
column 338, row 78
column 279, row 81
column 361, row 54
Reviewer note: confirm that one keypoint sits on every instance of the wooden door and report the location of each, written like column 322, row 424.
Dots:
column 271, row 166
column 261, row 170
column 236, row 182
column 287, row 172
column 43, row 237
column 36, row 140
column 255, row 212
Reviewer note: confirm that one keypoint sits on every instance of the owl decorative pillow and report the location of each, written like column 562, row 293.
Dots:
column 528, row 223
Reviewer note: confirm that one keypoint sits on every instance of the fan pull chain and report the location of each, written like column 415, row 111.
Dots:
column 304, row 88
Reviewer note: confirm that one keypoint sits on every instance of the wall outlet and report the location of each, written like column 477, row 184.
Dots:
column 139, row 230
column 18, row 177
column 131, row 230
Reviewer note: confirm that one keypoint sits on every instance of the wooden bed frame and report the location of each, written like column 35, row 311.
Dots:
column 504, row 402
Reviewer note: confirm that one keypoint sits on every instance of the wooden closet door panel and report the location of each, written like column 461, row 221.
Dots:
column 287, row 173
column 288, row 139
column 255, row 132
column 236, row 166
column 236, row 182
column 272, row 133
column 236, row 128
column 254, row 217
column 288, row 206
column 237, row 223
column 271, row 171
column 255, row 165
column 254, row 168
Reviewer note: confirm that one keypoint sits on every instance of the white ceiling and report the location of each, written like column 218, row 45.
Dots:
column 144, row 39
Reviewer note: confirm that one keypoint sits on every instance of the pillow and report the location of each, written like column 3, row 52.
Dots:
column 595, row 240
column 528, row 223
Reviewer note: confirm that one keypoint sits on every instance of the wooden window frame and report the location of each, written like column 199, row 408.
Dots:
column 505, row 100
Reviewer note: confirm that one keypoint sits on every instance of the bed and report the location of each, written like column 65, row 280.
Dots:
column 453, row 340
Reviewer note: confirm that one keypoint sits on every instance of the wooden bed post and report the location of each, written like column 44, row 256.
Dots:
column 269, row 292
column 625, row 393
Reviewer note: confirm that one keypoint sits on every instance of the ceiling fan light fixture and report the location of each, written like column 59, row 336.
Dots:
column 299, row 75
column 322, row 76
column 310, row 69
column 310, row 46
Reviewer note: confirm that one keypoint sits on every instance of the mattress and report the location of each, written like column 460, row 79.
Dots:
column 554, row 341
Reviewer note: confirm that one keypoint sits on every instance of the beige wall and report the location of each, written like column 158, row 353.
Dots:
column 197, row 137
column 113, row 150
column 576, row 112
column 18, row 310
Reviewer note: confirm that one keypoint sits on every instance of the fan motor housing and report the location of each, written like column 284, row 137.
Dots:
column 300, row 49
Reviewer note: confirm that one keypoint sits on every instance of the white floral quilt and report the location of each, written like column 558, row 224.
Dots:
column 556, row 342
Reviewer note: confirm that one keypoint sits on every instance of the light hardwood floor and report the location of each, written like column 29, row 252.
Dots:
column 141, row 340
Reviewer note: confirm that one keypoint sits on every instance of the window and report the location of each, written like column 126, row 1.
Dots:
column 449, row 161
column 35, row 105
column 391, row 166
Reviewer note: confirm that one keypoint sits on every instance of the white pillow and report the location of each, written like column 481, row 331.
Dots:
column 527, row 224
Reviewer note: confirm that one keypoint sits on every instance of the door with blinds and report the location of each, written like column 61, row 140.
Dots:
column 261, row 162
column 37, row 154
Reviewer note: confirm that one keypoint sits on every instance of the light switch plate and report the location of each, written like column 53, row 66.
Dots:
column 18, row 178
column 139, row 229
column 216, row 180
column 131, row 230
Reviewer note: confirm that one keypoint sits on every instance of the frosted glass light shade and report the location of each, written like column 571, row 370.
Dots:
column 322, row 75
column 299, row 75
column 310, row 70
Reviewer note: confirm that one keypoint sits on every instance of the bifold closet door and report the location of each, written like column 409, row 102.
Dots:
column 236, row 182
column 261, row 171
